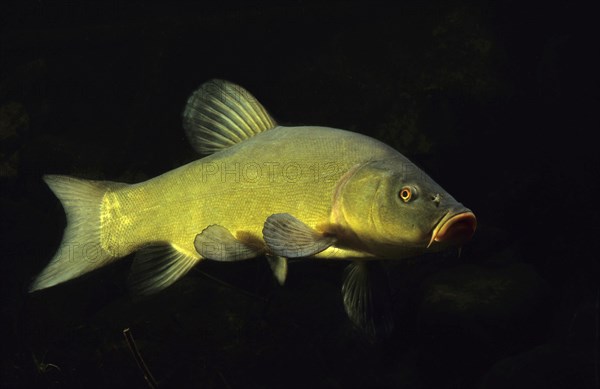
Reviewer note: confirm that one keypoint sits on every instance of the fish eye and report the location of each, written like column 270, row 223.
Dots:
column 406, row 194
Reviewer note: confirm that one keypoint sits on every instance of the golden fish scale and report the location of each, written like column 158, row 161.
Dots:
column 287, row 169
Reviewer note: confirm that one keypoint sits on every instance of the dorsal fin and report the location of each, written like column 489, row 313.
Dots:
column 220, row 114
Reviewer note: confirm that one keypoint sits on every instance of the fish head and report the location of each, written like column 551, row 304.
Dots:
column 396, row 210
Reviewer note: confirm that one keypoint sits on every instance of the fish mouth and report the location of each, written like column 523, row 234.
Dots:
column 454, row 229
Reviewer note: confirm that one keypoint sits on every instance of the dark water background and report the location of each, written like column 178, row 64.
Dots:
column 497, row 101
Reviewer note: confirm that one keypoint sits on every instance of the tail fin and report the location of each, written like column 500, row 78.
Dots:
column 80, row 250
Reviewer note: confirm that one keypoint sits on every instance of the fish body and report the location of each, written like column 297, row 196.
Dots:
column 238, row 188
column 264, row 189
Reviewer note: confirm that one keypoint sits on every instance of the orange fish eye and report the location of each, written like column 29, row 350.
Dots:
column 405, row 194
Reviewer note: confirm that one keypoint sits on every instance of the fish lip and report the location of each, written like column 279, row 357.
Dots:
column 442, row 226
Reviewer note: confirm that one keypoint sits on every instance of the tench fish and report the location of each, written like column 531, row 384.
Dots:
column 262, row 190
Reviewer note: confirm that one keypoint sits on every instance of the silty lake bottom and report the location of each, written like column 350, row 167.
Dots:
column 497, row 102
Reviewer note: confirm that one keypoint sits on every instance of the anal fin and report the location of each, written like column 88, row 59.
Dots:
column 158, row 266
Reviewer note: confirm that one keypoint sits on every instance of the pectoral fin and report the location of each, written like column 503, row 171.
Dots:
column 367, row 298
column 157, row 266
column 217, row 243
column 288, row 237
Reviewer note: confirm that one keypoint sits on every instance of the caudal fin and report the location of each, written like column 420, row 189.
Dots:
column 80, row 250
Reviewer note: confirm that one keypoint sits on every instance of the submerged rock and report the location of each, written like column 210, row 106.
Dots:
column 13, row 120
column 545, row 366
column 471, row 315
column 494, row 293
